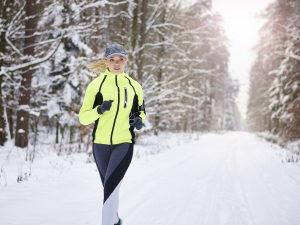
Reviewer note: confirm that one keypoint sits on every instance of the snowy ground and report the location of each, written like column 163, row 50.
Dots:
column 233, row 178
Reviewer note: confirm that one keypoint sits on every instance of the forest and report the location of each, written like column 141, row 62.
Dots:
column 274, row 95
column 178, row 52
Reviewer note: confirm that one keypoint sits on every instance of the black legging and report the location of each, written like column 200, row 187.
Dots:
column 112, row 162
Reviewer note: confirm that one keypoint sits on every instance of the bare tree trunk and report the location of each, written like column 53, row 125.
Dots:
column 95, row 46
column 9, row 109
column 158, row 102
column 134, row 36
column 72, row 133
column 3, row 132
column 25, row 91
column 204, row 123
column 36, row 119
column 211, row 121
column 57, row 132
column 123, row 26
column 159, row 79
column 142, row 40
column 10, row 113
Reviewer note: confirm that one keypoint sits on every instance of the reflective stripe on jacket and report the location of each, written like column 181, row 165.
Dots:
column 112, row 127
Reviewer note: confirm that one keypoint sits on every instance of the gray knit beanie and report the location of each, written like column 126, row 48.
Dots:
column 115, row 49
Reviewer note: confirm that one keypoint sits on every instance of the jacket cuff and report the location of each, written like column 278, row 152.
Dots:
column 99, row 110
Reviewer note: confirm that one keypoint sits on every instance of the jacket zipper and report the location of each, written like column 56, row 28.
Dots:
column 125, row 97
column 111, row 142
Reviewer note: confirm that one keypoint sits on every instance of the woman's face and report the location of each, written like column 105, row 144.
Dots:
column 116, row 64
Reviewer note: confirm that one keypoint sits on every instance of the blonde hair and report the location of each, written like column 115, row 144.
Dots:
column 97, row 67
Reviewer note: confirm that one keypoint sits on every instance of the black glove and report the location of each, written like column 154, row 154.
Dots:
column 104, row 107
column 138, row 123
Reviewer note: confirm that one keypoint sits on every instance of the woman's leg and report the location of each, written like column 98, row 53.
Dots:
column 119, row 162
column 101, row 155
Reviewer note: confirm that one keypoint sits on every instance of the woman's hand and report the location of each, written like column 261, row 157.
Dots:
column 138, row 123
column 104, row 107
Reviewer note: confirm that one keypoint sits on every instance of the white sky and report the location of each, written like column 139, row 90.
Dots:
column 241, row 28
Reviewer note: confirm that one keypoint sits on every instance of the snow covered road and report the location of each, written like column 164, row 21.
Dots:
column 232, row 179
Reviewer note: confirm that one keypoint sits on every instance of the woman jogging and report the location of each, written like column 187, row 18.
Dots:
column 114, row 101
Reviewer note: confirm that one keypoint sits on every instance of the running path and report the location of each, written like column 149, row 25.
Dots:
column 231, row 178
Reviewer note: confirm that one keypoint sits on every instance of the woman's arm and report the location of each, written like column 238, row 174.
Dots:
column 87, row 114
column 142, row 110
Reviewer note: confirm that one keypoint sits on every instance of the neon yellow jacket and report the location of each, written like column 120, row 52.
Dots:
column 112, row 127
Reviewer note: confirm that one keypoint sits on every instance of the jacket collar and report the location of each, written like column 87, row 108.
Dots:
column 110, row 74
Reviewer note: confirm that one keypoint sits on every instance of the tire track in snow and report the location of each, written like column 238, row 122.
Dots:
column 254, row 168
column 161, row 194
column 233, row 198
column 225, row 206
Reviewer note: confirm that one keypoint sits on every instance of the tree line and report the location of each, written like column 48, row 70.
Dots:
column 177, row 52
column 274, row 103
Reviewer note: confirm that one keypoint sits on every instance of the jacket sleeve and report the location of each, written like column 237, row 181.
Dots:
column 87, row 114
column 141, row 102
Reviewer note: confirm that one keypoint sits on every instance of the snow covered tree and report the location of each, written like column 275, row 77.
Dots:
column 274, row 86
column 25, row 89
column 270, row 50
column 285, row 89
column 17, row 68
column 205, row 62
column 3, row 51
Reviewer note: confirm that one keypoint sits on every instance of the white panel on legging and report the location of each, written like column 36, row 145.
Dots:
column 110, row 207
